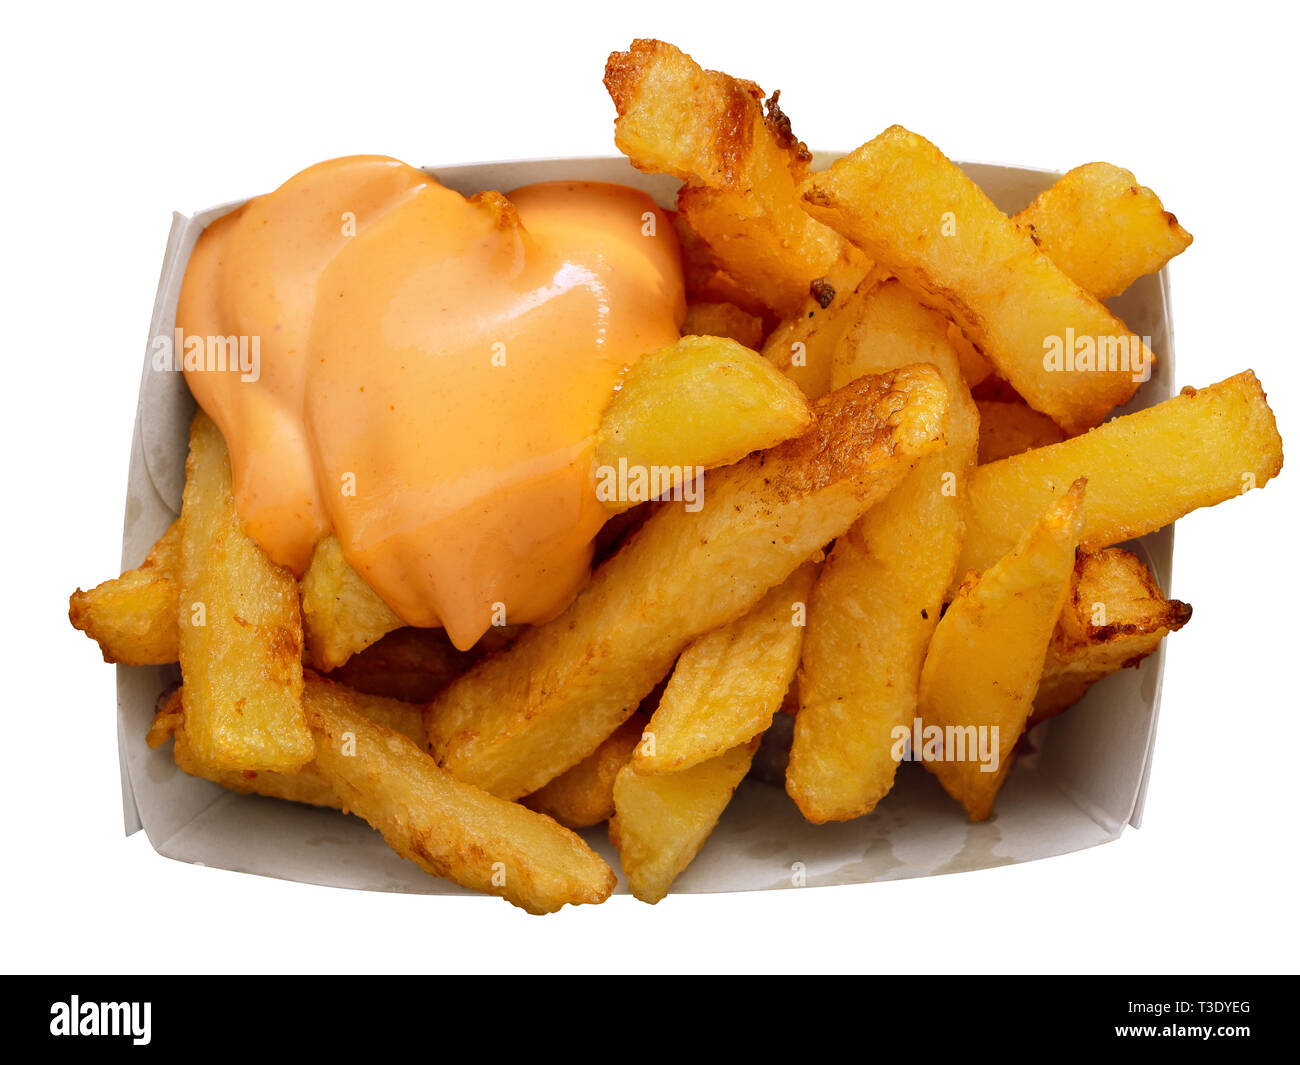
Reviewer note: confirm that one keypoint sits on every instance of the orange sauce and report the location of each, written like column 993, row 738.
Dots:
column 431, row 375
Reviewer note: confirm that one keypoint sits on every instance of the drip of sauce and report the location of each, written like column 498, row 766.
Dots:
column 431, row 375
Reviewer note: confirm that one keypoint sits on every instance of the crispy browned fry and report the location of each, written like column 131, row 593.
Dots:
column 409, row 664
column 878, row 598
column 703, row 274
column 341, row 613
column 986, row 658
column 1008, row 427
column 521, row 718
column 661, row 822
column 133, row 617
column 727, row 684
column 240, row 627
column 739, row 167
column 1144, row 469
column 447, row 827
column 1115, row 616
column 584, row 795
column 1104, row 229
column 723, row 320
column 916, row 214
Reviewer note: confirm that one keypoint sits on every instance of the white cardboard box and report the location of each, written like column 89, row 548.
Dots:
column 1084, row 783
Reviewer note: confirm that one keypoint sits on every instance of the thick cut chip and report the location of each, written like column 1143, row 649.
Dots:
column 521, row 718
column 1144, row 469
column 724, row 320
column 1115, row 616
column 986, row 658
column 705, row 401
column 341, row 613
column 584, row 795
column 133, row 617
column 727, row 685
column 448, row 828
column 661, row 822
column 240, row 628
column 1009, row 427
column 739, row 166
column 1104, row 229
column 304, row 785
column 880, row 592
column 916, row 214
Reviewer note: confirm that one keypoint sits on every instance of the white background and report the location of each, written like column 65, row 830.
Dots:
column 113, row 119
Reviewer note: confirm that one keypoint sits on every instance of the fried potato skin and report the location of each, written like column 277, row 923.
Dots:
column 409, row 664
column 890, row 197
column 519, row 719
column 1010, row 427
column 1103, row 229
column 243, row 663
column 739, row 167
column 881, row 590
column 1114, row 617
column 660, row 822
column 727, row 684
column 448, row 828
column 584, row 795
column 341, row 613
column 1144, row 469
column 986, row 658
column 133, row 617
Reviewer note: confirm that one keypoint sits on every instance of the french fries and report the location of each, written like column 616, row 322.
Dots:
column 584, row 795
column 704, row 402
column 727, row 684
column 1144, row 470
column 448, row 828
column 133, row 617
column 1103, row 229
column 1009, row 427
column 739, row 167
column 522, row 718
column 661, row 822
column 986, row 658
column 722, row 319
column 241, row 637
column 1114, row 617
column 341, row 613
column 916, row 214
column 881, row 591
column 410, row 664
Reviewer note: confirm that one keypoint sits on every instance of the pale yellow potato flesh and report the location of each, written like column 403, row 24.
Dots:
column 241, row 640
column 880, row 592
column 727, row 684
column 985, row 661
column 1144, row 470
column 133, row 617
column 703, row 402
column 341, row 613
column 519, row 719
column 660, row 822
column 1103, row 229
column 447, row 827
column 913, row 212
